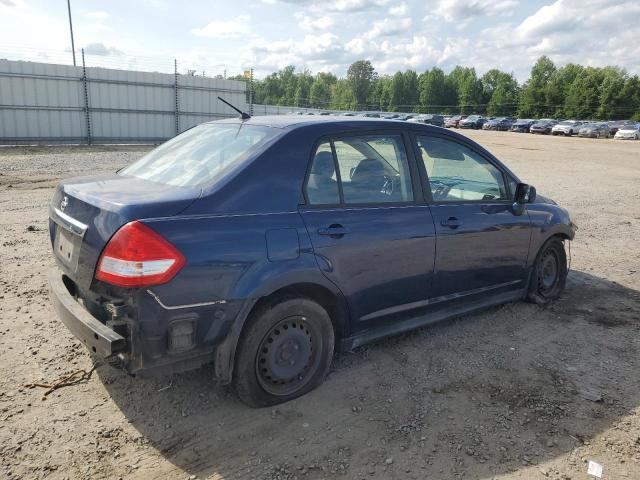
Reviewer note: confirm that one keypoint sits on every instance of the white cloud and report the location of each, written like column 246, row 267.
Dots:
column 101, row 50
column 389, row 27
column 224, row 29
column 466, row 10
column 312, row 23
column 97, row 15
column 334, row 5
column 353, row 5
column 579, row 31
column 399, row 10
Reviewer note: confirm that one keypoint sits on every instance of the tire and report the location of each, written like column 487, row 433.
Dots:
column 284, row 351
column 549, row 273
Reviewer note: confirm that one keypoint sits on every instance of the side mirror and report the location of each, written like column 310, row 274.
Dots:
column 525, row 194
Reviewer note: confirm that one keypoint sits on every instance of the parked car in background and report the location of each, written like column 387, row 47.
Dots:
column 472, row 121
column 628, row 132
column 594, row 130
column 543, row 126
column 500, row 123
column 190, row 256
column 452, row 122
column 616, row 125
column 566, row 128
column 429, row 119
column 522, row 125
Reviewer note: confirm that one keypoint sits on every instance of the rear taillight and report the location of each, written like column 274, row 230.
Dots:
column 137, row 256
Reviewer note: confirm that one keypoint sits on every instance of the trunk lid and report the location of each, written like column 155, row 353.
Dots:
column 85, row 212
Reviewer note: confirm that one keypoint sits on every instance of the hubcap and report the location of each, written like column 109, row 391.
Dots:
column 287, row 356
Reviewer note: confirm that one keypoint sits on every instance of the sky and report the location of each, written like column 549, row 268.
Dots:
column 219, row 36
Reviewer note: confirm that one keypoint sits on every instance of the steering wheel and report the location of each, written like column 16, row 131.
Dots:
column 387, row 186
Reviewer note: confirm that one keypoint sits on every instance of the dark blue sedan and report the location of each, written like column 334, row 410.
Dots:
column 263, row 245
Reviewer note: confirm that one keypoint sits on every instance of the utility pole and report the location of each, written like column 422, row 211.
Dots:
column 73, row 47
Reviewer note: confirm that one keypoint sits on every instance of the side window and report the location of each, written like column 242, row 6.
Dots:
column 373, row 169
column 322, row 186
column 458, row 173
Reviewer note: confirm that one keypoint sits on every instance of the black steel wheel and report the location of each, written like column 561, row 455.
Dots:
column 284, row 352
column 549, row 273
column 287, row 355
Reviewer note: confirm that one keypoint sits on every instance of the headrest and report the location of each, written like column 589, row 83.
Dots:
column 323, row 164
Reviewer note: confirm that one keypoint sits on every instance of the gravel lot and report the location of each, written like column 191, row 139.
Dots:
column 518, row 391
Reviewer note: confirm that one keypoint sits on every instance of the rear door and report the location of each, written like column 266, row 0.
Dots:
column 482, row 240
column 371, row 235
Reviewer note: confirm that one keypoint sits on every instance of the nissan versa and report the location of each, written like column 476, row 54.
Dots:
column 262, row 245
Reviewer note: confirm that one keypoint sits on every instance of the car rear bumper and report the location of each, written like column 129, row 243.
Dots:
column 97, row 337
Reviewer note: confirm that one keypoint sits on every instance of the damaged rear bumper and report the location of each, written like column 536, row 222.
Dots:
column 97, row 337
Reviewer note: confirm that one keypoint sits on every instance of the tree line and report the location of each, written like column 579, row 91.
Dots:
column 571, row 91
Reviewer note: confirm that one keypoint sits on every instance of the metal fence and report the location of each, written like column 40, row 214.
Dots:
column 282, row 110
column 44, row 103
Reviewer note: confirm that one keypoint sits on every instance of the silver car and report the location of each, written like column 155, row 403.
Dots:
column 628, row 132
column 566, row 128
column 594, row 130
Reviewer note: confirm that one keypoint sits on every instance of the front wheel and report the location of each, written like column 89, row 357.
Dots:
column 549, row 273
column 284, row 352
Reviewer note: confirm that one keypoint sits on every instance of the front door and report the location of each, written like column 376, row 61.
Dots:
column 482, row 240
column 371, row 238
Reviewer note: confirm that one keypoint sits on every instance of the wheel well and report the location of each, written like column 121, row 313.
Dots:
column 561, row 236
column 332, row 303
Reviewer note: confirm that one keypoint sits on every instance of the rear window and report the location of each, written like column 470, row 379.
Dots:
column 201, row 154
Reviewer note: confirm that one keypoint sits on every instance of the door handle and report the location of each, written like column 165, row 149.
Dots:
column 333, row 231
column 451, row 222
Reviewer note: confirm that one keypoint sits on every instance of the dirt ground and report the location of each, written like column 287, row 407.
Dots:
column 518, row 391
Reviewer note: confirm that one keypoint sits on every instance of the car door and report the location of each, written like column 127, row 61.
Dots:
column 482, row 239
column 371, row 235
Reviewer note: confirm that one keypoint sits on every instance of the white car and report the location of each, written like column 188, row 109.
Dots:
column 566, row 128
column 628, row 132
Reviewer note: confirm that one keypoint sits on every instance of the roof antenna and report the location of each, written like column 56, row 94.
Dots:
column 243, row 115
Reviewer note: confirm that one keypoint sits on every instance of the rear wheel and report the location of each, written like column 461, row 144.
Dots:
column 284, row 352
column 549, row 274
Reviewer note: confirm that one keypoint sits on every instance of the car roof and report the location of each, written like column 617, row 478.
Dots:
column 295, row 121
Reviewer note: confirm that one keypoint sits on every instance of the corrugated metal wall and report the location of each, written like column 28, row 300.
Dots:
column 46, row 103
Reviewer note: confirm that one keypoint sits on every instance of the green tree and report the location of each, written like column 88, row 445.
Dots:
column 533, row 95
column 320, row 94
column 583, row 97
column 557, row 89
column 289, row 84
column 359, row 77
column 611, row 99
column 411, row 91
column 490, row 82
column 303, row 89
column 469, row 89
column 433, row 90
column 631, row 95
column 342, row 97
column 501, row 90
column 397, row 92
column 385, row 92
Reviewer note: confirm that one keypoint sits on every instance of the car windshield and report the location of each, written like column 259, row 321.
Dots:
column 201, row 154
column 566, row 124
column 473, row 117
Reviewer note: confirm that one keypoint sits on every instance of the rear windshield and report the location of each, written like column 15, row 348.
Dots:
column 201, row 154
